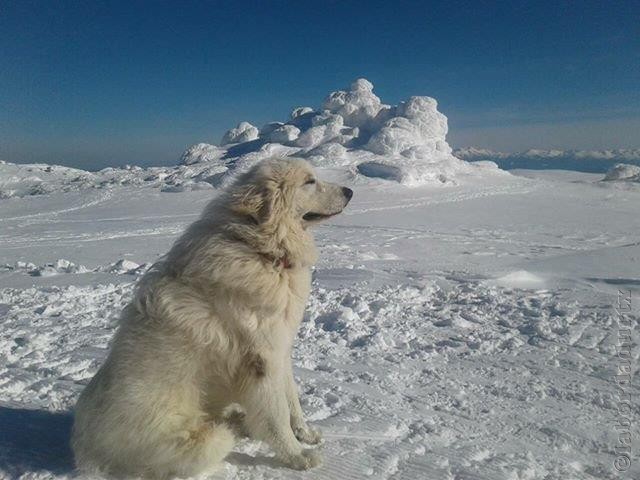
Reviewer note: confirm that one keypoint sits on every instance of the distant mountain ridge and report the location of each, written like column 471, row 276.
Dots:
column 621, row 154
column 590, row 161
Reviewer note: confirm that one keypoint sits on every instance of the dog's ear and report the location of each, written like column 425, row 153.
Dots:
column 247, row 200
column 274, row 205
column 260, row 202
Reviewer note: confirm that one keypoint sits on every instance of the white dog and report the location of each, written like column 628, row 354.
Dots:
column 212, row 326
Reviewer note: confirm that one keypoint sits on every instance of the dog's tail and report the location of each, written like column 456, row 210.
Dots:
column 204, row 450
column 189, row 453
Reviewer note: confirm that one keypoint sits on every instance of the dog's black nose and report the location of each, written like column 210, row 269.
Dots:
column 347, row 192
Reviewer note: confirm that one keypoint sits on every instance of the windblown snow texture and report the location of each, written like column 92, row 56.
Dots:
column 465, row 328
column 466, row 332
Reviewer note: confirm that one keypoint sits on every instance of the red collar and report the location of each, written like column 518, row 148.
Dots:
column 281, row 262
column 284, row 262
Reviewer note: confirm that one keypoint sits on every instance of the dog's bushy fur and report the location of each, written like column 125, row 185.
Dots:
column 212, row 326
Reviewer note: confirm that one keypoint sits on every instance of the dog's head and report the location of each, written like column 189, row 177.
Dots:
column 285, row 190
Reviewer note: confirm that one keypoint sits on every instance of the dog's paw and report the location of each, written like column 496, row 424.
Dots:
column 307, row 459
column 308, row 435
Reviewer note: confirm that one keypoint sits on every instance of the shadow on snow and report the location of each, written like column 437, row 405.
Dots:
column 35, row 440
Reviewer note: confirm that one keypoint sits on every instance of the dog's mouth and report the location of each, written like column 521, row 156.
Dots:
column 316, row 217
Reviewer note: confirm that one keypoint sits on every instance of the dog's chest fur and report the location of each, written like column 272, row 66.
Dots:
column 297, row 286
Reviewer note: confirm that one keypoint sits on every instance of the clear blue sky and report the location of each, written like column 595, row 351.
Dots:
column 106, row 82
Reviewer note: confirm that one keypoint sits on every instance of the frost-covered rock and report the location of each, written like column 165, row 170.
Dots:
column 423, row 113
column 38, row 179
column 328, row 155
column 331, row 120
column 315, row 136
column 326, row 127
column 352, row 130
column 244, row 132
column 270, row 127
column 300, row 111
column 125, row 267
column 201, row 152
column 284, row 134
column 358, row 106
column 397, row 136
column 58, row 267
column 185, row 186
column 418, row 130
column 623, row 171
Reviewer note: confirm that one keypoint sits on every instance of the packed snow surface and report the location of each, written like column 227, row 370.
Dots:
column 466, row 332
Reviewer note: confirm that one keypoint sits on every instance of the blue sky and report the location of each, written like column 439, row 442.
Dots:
column 107, row 82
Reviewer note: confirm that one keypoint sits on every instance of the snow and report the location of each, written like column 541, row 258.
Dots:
column 461, row 332
column 37, row 179
column 520, row 279
column 244, row 132
column 355, row 131
column 358, row 106
column 201, row 152
column 417, row 129
column 284, row 134
column 621, row 171
column 352, row 131
column 300, row 111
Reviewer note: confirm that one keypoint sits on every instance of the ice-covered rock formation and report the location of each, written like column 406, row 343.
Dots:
column 416, row 130
column 284, row 134
column 201, row 152
column 244, row 132
column 355, row 129
column 624, row 172
column 359, row 106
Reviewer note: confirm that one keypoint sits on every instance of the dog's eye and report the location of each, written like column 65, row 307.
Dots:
column 311, row 181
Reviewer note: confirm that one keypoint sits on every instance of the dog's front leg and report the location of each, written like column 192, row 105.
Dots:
column 301, row 430
column 263, row 394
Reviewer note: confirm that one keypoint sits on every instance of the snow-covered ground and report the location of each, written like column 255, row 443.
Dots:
column 464, row 330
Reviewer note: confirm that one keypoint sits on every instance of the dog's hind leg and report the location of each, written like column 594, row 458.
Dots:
column 263, row 396
column 192, row 452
